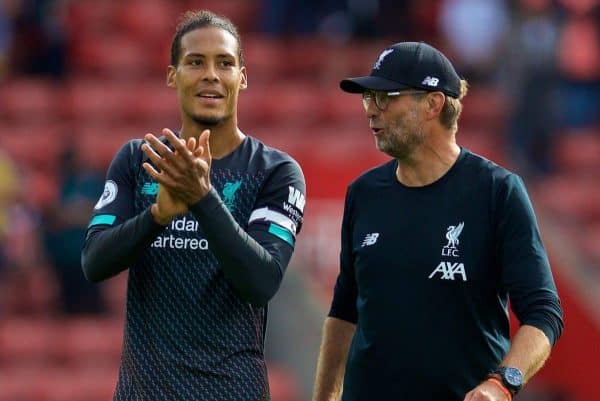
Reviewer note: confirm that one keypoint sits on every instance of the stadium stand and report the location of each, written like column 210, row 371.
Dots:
column 118, row 52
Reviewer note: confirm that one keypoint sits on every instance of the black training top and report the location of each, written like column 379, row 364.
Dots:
column 197, row 289
column 426, row 274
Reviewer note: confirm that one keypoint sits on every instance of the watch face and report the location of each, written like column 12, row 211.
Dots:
column 513, row 376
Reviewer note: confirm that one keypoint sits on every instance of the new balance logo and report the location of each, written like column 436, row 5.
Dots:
column 448, row 270
column 430, row 81
column 370, row 239
column 149, row 188
column 296, row 198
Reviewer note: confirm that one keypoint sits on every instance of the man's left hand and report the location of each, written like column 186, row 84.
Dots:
column 486, row 391
column 184, row 171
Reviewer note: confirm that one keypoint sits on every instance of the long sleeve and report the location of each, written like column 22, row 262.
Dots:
column 252, row 262
column 526, row 270
column 109, row 250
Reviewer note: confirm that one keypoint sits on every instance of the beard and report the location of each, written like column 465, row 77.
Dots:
column 403, row 136
column 208, row 121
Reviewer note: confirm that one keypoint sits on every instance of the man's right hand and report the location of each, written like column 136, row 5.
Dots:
column 166, row 207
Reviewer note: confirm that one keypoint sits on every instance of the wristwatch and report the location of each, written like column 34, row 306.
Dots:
column 512, row 378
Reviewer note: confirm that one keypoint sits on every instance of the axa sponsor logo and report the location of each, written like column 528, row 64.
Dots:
column 449, row 271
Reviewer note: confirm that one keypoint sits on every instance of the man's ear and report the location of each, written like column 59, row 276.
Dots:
column 171, row 71
column 243, row 78
column 435, row 104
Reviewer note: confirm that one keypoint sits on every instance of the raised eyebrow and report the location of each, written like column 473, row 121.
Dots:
column 223, row 55
column 227, row 56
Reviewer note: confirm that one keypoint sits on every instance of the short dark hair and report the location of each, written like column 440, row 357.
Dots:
column 192, row 20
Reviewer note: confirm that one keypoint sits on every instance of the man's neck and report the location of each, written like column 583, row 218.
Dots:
column 428, row 163
column 224, row 139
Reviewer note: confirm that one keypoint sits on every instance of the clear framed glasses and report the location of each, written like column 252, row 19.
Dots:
column 382, row 99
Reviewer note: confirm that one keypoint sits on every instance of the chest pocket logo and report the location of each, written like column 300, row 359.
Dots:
column 370, row 239
column 150, row 189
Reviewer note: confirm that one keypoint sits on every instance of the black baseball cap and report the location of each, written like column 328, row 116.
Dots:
column 408, row 65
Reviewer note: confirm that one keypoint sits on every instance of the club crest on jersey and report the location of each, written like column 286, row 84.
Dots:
column 452, row 234
column 229, row 192
column 451, row 270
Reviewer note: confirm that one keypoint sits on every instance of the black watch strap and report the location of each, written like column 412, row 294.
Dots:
column 511, row 378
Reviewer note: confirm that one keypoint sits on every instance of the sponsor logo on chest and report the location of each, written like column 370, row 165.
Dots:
column 449, row 270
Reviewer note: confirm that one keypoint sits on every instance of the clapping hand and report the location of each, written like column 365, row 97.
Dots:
column 183, row 172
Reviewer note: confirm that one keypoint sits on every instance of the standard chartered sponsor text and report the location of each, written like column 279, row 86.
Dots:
column 175, row 242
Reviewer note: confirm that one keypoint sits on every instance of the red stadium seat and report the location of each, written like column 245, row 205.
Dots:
column 28, row 289
column 486, row 107
column 147, row 21
column 578, row 151
column 355, row 58
column 30, row 101
column 342, row 108
column 571, row 197
column 68, row 384
column 111, row 55
column 89, row 342
column 484, row 143
column 90, row 16
column 243, row 13
column 293, row 102
column 154, row 102
column 16, row 383
column 589, row 240
column 98, row 144
column 28, row 342
column 33, row 146
column 264, row 58
column 98, row 101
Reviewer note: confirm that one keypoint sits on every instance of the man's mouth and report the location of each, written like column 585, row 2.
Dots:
column 209, row 95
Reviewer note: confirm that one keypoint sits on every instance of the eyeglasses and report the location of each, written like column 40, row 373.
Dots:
column 382, row 99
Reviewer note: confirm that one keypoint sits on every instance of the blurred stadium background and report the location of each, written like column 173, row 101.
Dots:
column 78, row 78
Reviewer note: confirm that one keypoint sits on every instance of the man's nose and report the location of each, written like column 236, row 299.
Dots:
column 371, row 110
column 210, row 73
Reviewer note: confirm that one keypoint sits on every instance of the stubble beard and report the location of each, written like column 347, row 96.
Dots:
column 208, row 121
column 404, row 135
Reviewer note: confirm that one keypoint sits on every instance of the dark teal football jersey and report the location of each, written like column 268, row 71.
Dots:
column 188, row 335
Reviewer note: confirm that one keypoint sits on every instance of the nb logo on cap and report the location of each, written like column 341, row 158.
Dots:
column 430, row 81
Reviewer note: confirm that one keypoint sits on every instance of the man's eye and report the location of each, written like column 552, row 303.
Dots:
column 195, row 62
column 227, row 63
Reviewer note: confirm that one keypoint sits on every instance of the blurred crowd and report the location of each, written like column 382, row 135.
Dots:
column 542, row 57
